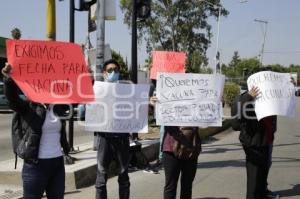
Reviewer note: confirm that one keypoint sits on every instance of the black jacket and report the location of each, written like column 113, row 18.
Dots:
column 252, row 132
column 32, row 117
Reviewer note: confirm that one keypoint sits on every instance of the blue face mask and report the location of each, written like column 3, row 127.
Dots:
column 113, row 76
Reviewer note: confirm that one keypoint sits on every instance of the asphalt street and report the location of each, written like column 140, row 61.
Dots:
column 221, row 170
column 80, row 136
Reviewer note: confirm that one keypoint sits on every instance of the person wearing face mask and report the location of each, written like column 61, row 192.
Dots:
column 112, row 146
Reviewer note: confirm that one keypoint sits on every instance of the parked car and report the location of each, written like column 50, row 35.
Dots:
column 243, row 89
column 3, row 100
column 297, row 91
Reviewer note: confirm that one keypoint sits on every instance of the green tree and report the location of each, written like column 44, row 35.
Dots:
column 177, row 25
column 124, row 73
column 277, row 68
column 231, row 69
column 240, row 69
column 196, row 62
column 231, row 91
column 16, row 33
column 235, row 59
column 294, row 68
column 247, row 67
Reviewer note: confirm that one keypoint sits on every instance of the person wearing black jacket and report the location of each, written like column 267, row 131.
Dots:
column 257, row 138
column 43, row 168
column 112, row 147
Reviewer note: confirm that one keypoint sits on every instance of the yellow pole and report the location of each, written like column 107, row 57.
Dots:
column 51, row 23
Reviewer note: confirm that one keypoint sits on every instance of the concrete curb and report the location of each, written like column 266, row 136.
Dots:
column 83, row 172
column 86, row 176
column 78, row 175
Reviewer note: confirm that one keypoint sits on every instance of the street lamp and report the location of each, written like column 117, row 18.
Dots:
column 264, row 27
column 83, row 7
column 217, row 54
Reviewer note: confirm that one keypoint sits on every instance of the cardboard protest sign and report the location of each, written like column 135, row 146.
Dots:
column 119, row 108
column 189, row 99
column 277, row 94
column 50, row 72
column 165, row 61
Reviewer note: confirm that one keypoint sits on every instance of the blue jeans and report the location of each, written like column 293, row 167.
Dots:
column 48, row 175
column 161, row 137
column 111, row 148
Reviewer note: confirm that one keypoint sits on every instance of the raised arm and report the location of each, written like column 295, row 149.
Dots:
column 10, row 90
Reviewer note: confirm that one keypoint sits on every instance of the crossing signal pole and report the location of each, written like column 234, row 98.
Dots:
column 141, row 9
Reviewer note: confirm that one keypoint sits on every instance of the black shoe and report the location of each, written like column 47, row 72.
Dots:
column 151, row 170
column 158, row 164
column 272, row 195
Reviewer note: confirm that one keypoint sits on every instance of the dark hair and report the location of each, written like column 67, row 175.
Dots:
column 110, row 61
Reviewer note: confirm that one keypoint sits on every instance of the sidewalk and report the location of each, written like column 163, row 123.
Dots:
column 221, row 171
column 78, row 175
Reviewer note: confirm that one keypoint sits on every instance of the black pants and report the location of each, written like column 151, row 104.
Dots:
column 112, row 148
column 257, row 166
column 48, row 175
column 173, row 167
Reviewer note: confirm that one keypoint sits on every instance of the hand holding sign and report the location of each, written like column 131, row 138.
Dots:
column 50, row 72
column 274, row 94
column 254, row 92
column 6, row 70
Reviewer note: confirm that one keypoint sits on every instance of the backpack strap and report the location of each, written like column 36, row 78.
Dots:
column 16, row 160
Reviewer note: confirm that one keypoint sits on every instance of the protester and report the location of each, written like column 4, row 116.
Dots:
column 112, row 146
column 181, row 147
column 257, row 140
column 152, row 93
column 45, row 135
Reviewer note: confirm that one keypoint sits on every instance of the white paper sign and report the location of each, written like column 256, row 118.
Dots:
column 119, row 108
column 277, row 95
column 187, row 99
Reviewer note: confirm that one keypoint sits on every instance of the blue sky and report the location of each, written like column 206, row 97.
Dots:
column 238, row 31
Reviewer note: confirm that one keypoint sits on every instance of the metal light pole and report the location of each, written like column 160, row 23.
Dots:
column 265, row 27
column 100, row 45
column 218, row 31
column 134, row 44
column 134, row 51
column 217, row 44
column 51, row 20
column 72, row 10
column 71, row 39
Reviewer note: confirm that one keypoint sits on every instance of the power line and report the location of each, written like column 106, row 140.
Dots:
column 283, row 52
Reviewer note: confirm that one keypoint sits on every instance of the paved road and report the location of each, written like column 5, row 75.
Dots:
column 221, row 170
column 80, row 136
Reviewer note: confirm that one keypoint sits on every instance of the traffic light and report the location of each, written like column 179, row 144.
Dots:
column 143, row 8
column 84, row 5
